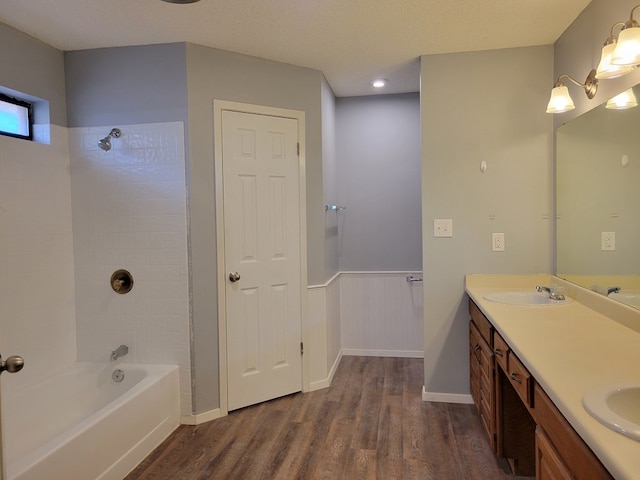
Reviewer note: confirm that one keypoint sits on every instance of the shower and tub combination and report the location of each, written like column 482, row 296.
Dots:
column 88, row 420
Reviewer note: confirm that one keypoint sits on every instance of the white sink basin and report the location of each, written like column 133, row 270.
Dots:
column 524, row 297
column 617, row 407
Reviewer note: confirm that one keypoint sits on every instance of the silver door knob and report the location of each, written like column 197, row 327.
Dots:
column 234, row 277
column 12, row 364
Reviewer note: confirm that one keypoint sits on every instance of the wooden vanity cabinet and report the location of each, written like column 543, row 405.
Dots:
column 522, row 423
column 560, row 452
column 482, row 371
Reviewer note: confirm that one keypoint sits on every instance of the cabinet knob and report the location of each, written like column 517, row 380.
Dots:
column 498, row 352
column 515, row 377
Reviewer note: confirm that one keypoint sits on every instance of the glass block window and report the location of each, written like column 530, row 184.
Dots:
column 16, row 117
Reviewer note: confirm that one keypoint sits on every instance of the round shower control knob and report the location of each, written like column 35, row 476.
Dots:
column 234, row 277
column 12, row 364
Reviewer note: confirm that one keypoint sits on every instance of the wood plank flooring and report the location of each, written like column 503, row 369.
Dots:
column 370, row 424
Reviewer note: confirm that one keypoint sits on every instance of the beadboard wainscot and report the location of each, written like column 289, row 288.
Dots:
column 382, row 314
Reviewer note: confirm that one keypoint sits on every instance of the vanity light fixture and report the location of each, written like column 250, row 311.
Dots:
column 606, row 69
column 624, row 100
column 561, row 101
column 627, row 50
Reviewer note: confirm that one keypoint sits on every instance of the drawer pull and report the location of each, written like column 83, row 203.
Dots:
column 476, row 348
column 515, row 377
column 498, row 352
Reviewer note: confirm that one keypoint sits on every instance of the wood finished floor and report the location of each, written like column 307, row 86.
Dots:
column 370, row 424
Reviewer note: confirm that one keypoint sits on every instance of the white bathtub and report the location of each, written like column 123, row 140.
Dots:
column 80, row 424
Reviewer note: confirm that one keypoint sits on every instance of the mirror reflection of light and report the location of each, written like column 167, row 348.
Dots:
column 622, row 101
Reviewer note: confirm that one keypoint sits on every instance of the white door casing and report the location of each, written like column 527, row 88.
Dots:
column 260, row 230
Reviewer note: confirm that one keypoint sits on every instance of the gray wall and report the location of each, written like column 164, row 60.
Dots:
column 215, row 74
column 330, row 177
column 127, row 85
column 378, row 150
column 35, row 68
column 481, row 106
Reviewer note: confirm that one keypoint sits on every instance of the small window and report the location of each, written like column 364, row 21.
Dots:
column 15, row 117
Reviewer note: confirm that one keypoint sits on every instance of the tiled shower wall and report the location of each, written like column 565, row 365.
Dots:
column 37, row 317
column 129, row 211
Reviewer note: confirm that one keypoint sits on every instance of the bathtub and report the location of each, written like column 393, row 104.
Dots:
column 80, row 424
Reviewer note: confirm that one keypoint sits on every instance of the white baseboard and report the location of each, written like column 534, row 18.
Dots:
column 326, row 383
column 445, row 397
column 356, row 352
column 199, row 418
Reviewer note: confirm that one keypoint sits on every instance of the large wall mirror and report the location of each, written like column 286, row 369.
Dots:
column 598, row 202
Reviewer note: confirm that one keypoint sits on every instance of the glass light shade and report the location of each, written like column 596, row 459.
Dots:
column 627, row 51
column 608, row 70
column 560, row 100
column 622, row 101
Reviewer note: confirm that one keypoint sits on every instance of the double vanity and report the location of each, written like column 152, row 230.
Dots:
column 556, row 381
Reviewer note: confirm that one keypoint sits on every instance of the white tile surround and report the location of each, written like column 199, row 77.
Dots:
column 129, row 211
column 37, row 312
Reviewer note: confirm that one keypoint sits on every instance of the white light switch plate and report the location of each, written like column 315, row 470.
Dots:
column 443, row 227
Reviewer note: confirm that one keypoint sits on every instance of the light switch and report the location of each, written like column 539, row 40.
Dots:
column 443, row 227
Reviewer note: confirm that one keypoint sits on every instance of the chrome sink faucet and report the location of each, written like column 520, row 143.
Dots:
column 612, row 290
column 121, row 351
column 552, row 295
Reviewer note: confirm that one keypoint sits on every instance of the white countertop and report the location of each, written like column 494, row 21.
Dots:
column 571, row 349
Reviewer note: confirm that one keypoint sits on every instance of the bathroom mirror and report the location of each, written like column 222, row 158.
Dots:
column 597, row 201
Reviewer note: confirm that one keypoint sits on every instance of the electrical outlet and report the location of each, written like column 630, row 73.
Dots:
column 497, row 242
column 443, row 227
column 608, row 241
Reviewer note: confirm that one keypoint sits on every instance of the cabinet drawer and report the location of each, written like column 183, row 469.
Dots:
column 520, row 378
column 500, row 350
column 484, row 326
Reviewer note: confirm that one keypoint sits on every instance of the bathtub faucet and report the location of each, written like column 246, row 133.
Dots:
column 121, row 351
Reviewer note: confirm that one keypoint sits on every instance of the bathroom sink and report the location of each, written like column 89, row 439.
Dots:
column 630, row 298
column 617, row 407
column 524, row 297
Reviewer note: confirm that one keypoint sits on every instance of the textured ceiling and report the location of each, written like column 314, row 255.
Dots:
column 350, row 41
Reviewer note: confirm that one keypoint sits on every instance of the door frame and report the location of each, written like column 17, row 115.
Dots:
column 218, row 107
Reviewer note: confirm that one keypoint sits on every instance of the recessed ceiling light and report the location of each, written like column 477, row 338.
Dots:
column 181, row 1
column 379, row 82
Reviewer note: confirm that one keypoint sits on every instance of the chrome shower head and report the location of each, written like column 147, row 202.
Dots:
column 105, row 143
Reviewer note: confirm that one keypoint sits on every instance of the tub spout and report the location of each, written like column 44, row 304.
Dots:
column 121, row 351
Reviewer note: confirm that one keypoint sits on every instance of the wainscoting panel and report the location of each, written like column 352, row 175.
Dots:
column 381, row 314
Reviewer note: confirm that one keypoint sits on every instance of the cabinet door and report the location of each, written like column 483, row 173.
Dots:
column 549, row 465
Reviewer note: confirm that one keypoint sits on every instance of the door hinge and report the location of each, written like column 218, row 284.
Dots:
column 301, row 348
column 298, row 149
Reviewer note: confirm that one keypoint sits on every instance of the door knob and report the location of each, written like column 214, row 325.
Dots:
column 12, row 364
column 234, row 277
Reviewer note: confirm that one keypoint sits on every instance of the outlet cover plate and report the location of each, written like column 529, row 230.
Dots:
column 497, row 242
column 443, row 227
column 608, row 241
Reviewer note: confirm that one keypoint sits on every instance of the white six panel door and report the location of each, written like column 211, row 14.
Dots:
column 262, row 245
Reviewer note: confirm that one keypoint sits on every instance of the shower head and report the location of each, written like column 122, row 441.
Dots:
column 105, row 143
